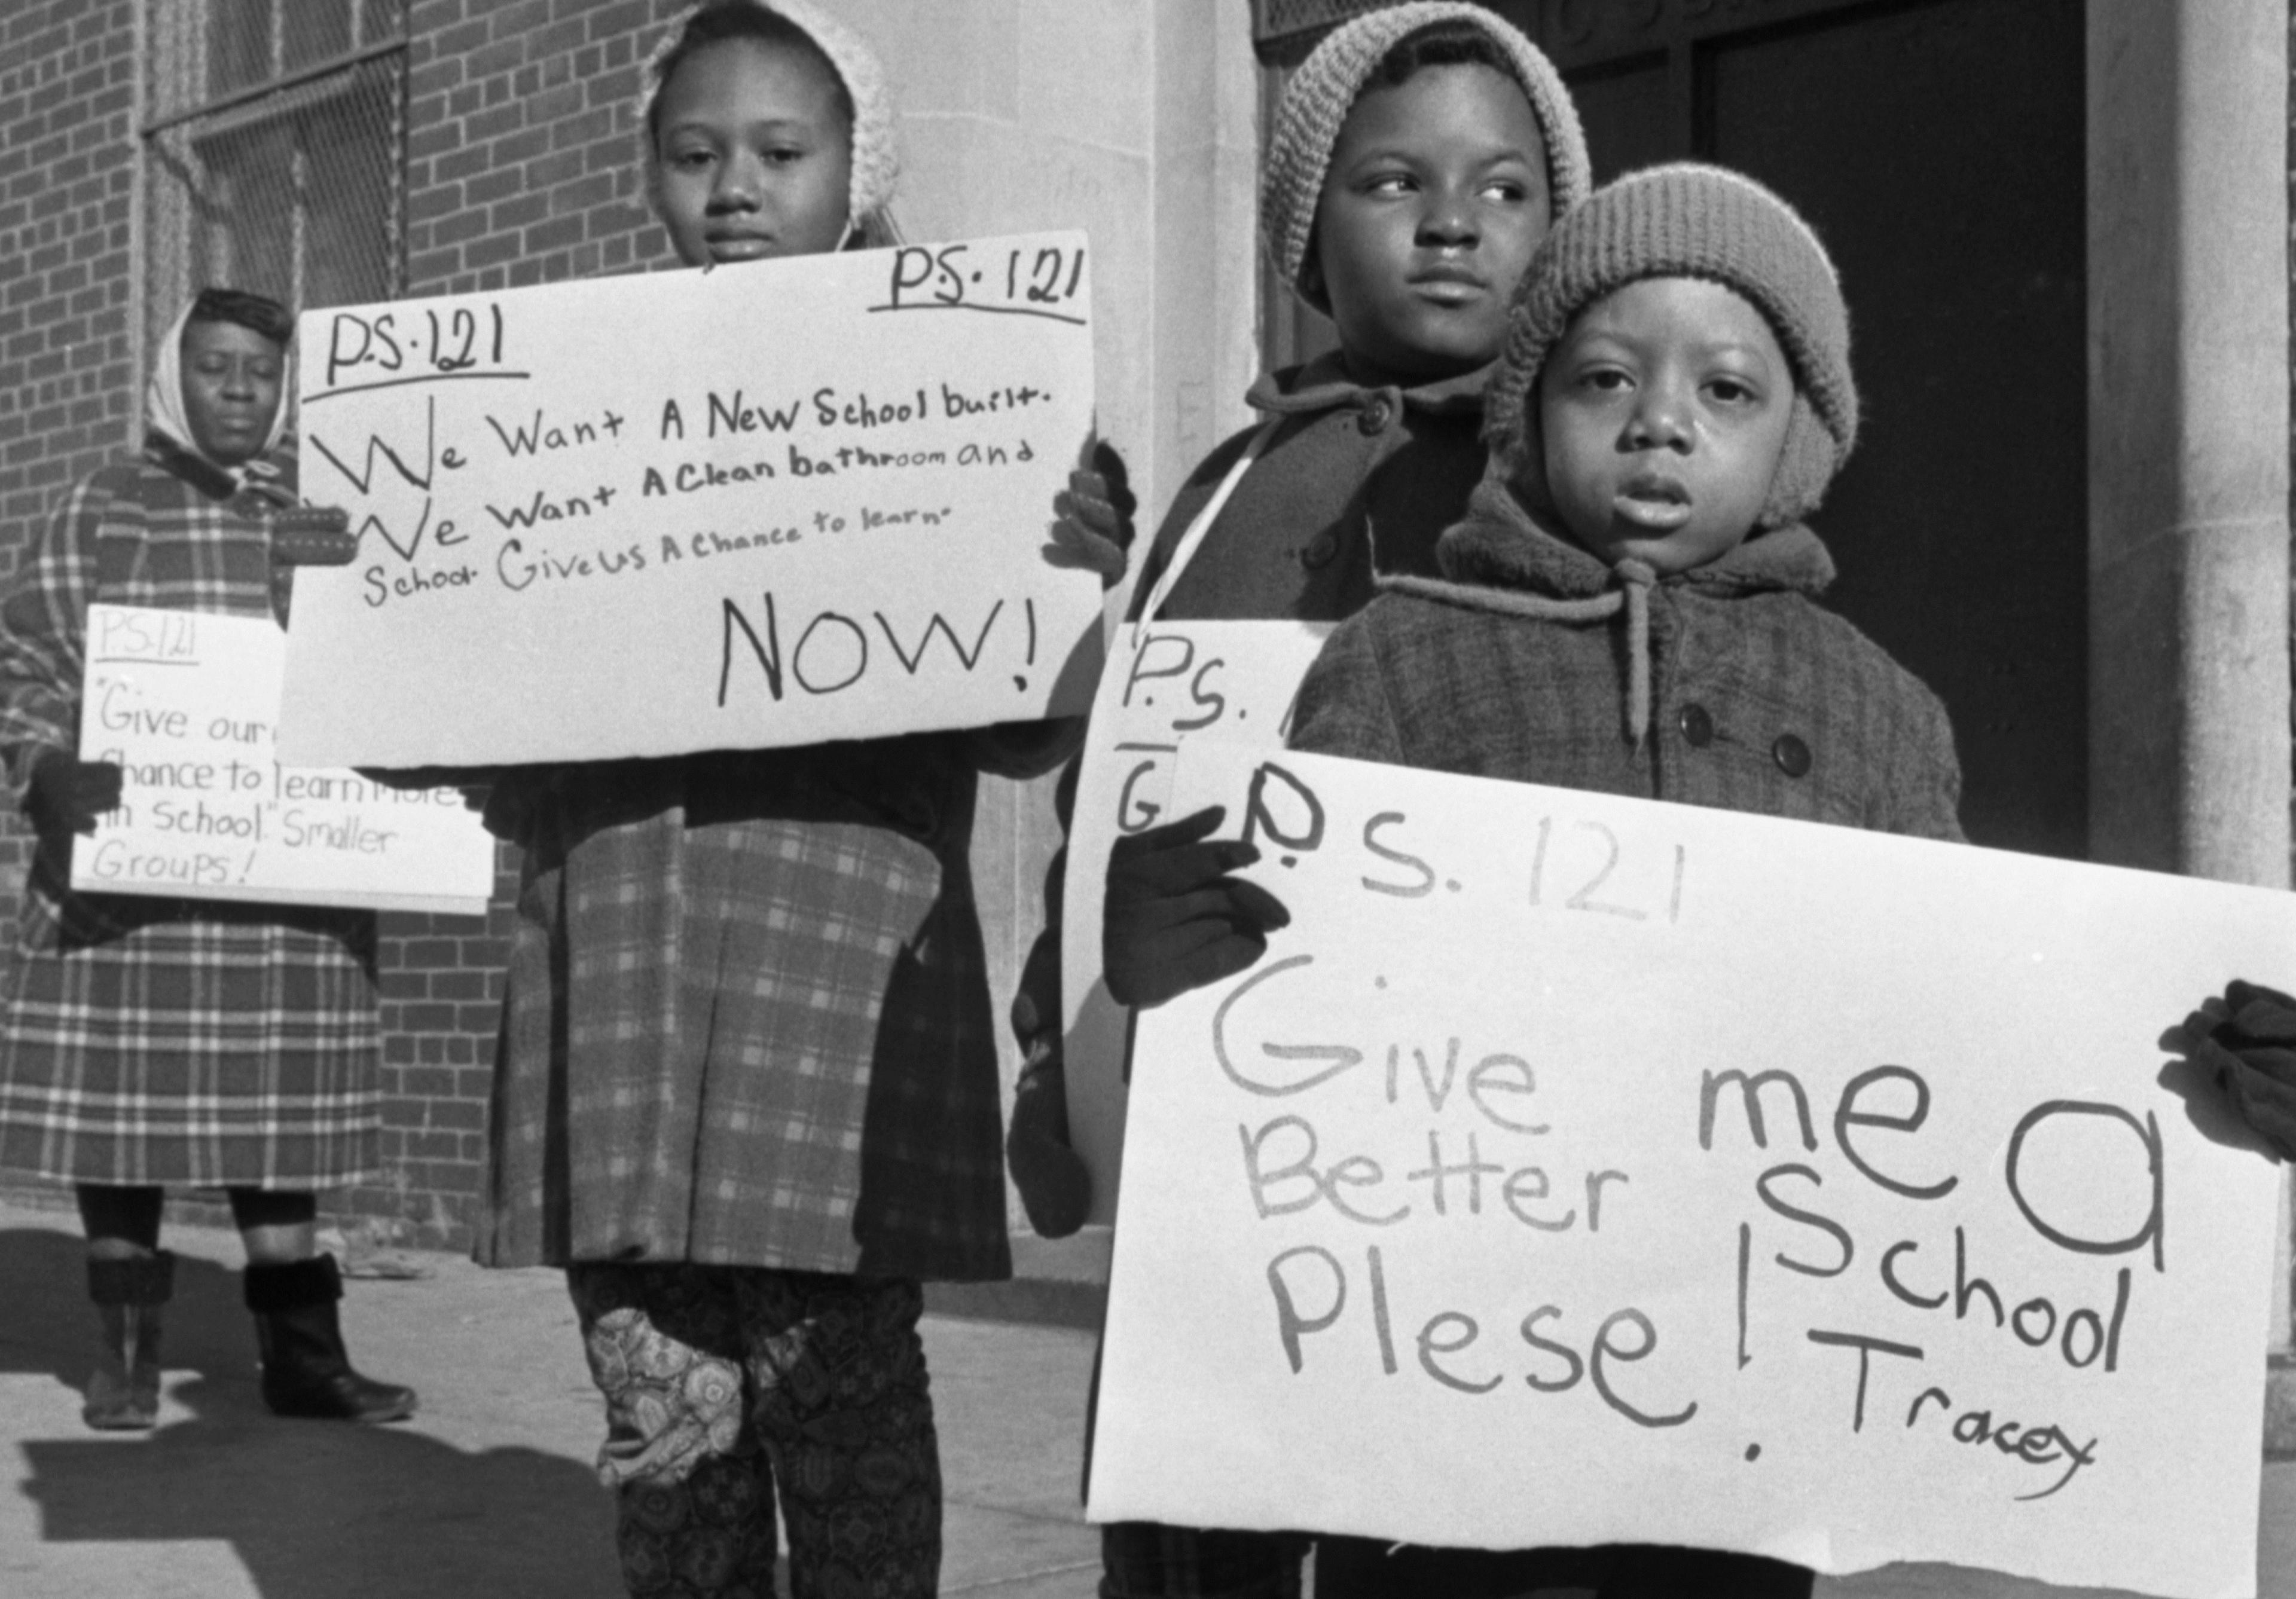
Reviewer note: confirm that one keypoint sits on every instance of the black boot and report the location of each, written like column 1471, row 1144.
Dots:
column 306, row 1372
column 123, row 1394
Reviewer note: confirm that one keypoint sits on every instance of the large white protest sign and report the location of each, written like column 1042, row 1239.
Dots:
column 1168, row 684
column 1578, row 1169
column 185, row 704
column 771, row 504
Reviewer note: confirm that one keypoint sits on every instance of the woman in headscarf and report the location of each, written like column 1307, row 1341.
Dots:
column 150, row 1041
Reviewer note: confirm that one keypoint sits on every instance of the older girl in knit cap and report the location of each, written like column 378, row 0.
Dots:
column 1630, row 606
column 747, row 1090
column 1418, row 157
column 193, row 1042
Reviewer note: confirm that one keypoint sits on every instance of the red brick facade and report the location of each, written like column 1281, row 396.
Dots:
column 519, row 169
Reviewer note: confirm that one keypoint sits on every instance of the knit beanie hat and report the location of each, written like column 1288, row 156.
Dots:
column 1686, row 220
column 1324, row 89
column 876, row 151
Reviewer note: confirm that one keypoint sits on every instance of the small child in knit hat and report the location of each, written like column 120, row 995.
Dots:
column 1675, row 396
column 1419, row 155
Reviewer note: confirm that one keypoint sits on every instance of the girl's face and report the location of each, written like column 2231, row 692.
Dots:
column 753, row 148
column 1664, row 410
column 1434, row 201
column 233, row 379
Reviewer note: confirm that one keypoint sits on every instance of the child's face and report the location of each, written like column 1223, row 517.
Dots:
column 1665, row 409
column 754, row 149
column 1434, row 201
column 232, row 382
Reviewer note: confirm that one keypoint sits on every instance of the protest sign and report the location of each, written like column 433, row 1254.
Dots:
column 185, row 704
column 1577, row 1169
column 1168, row 684
column 786, row 502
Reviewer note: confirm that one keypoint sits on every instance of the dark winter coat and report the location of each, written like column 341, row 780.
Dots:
column 1350, row 468
column 1758, row 700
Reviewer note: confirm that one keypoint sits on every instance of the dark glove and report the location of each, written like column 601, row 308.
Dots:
column 1056, row 1188
column 2251, row 1051
column 1094, row 525
column 313, row 536
column 68, row 794
column 1174, row 920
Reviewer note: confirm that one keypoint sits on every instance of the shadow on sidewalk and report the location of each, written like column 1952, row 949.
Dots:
column 314, row 1510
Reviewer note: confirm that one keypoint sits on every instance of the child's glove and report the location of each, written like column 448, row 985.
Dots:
column 1174, row 920
column 313, row 536
column 67, row 794
column 1094, row 529
column 2251, row 1051
column 1056, row 1188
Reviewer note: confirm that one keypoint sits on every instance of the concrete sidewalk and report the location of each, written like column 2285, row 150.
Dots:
column 489, row 1490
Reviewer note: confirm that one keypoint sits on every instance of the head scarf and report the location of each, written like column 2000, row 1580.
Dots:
column 876, row 156
column 167, row 419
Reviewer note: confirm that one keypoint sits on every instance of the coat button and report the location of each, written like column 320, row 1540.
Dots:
column 1319, row 550
column 1696, row 726
column 1375, row 415
column 1792, row 755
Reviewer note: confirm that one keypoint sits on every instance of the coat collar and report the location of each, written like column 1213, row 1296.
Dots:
column 1322, row 384
column 1500, row 545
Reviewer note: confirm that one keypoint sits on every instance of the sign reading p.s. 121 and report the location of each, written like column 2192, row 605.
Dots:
column 764, row 506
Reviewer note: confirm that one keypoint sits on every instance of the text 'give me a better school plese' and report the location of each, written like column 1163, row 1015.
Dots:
column 1829, row 1189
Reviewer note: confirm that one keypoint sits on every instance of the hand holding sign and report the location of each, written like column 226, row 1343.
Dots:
column 2251, row 1051
column 68, row 794
column 1176, row 915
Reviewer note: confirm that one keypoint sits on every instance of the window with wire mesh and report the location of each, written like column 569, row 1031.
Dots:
column 274, row 151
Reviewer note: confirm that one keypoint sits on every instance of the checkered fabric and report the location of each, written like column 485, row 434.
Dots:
column 151, row 1040
column 749, row 1019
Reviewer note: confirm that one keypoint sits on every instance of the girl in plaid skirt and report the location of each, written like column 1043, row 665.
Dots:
column 746, row 1090
column 152, row 1041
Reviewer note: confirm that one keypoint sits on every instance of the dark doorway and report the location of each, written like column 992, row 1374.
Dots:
column 1937, row 147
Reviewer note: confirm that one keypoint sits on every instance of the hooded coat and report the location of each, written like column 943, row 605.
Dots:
column 1759, row 699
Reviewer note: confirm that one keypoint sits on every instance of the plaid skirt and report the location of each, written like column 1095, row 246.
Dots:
column 207, row 1044
column 748, row 1021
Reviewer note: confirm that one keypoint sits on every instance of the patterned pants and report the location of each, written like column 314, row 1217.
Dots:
column 725, row 1382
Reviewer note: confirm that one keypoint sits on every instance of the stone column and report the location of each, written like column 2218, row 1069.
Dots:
column 1135, row 123
column 2188, row 431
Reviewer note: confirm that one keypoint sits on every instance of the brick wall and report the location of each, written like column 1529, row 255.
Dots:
column 519, row 169
column 67, row 195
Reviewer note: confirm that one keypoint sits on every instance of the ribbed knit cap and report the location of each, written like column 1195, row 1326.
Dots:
column 876, row 146
column 1687, row 220
column 1319, row 96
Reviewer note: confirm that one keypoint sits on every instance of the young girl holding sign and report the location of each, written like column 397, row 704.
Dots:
column 1418, row 157
column 747, row 1093
column 150, row 1041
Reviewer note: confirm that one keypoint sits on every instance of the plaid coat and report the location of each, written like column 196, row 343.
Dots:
column 748, row 1021
column 151, row 1040
column 1759, row 699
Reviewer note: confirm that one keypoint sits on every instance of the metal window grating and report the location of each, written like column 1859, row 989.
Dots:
column 274, row 149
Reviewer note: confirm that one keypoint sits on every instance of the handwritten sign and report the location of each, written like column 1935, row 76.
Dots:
column 1578, row 1169
column 1169, row 683
column 772, row 504
column 185, row 703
